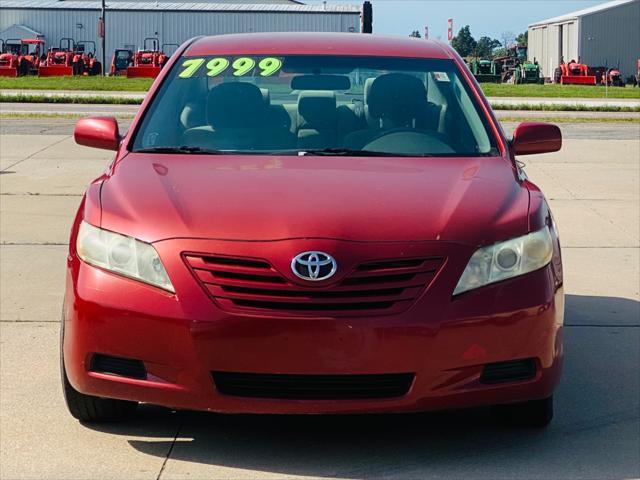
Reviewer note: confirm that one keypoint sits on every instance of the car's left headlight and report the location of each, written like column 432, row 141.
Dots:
column 506, row 259
column 122, row 255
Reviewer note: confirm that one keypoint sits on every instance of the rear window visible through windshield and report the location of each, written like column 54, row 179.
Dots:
column 304, row 104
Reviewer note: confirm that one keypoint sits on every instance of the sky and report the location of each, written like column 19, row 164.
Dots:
column 485, row 17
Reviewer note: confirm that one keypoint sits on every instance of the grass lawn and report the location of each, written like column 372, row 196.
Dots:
column 91, row 99
column 77, row 83
column 557, row 91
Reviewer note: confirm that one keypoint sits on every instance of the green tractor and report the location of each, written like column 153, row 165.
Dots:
column 484, row 71
column 528, row 72
column 515, row 68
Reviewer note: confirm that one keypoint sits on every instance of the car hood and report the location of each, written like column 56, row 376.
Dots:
column 471, row 200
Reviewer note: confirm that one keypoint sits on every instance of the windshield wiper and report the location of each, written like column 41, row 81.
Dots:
column 183, row 149
column 348, row 152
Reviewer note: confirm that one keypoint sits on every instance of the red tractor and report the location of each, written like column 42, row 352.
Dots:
column 149, row 61
column 612, row 77
column 20, row 57
column 59, row 61
column 122, row 59
column 573, row 73
column 84, row 60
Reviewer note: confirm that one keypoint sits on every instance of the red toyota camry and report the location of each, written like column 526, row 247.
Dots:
column 313, row 223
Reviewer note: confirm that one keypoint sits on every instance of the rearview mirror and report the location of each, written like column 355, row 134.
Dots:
column 97, row 132
column 320, row 82
column 535, row 137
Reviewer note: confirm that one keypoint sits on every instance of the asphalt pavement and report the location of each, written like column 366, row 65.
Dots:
column 593, row 186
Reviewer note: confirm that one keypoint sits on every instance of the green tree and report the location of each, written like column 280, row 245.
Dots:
column 500, row 52
column 415, row 34
column 523, row 39
column 464, row 43
column 486, row 46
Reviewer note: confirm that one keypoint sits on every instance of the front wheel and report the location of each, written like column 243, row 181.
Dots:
column 96, row 68
column 23, row 68
column 88, row 408
column 532, row 414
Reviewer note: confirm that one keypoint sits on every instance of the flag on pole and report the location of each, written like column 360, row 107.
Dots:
column 450, row 30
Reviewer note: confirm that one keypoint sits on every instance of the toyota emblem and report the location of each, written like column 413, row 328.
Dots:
column 313, row 266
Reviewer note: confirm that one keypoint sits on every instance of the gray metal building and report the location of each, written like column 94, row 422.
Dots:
column 606, row 34
column 129, row 23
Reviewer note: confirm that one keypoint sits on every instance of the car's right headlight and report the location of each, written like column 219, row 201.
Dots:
column 507, row 259
column 122, row 255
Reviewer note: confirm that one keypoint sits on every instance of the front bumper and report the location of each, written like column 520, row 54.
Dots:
column 183, row 338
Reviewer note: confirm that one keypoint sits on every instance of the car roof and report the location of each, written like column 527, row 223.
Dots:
column 345, row 44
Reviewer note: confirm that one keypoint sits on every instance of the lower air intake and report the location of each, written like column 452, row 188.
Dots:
column 511, row 371
column 124, row 367
column 313, row 387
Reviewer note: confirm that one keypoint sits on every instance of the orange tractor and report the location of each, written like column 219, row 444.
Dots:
column 71, row 58
column 612, row 77
column 574, row 73
column 85, row 60
column 149, row 61
column 20, row 57
column 59, row 61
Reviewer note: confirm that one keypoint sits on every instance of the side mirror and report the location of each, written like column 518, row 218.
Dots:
column 97, row 132
column 534, row 137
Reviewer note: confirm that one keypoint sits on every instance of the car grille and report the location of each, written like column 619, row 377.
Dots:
column 378, row 287
column 312, row 387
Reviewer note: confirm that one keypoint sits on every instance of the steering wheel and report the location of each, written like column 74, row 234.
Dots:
column 408, row 141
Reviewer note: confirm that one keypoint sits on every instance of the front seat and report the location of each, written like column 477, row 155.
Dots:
column 237, row 114
column 394, row 101
column 234, row 112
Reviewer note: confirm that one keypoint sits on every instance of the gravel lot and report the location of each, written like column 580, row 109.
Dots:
column 594, row 189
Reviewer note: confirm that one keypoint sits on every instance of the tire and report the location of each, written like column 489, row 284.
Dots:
column 88, row 408
column 23, row 68
column 531, row 414
column 557, row 75
column 96, row 69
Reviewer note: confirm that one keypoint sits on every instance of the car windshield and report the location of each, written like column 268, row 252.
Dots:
column 315, row 105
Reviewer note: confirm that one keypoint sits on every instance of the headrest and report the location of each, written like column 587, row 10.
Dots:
column 235, row 105
column 398, row 97
column 266, row 96
column 367, row 87
column 372, row 122
column 318, row 108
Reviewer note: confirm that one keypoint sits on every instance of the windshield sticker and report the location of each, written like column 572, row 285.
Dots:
column 441, row 76
column 238, row 67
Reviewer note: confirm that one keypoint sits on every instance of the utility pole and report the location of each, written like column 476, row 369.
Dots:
column 367, row 17
column 104, row 35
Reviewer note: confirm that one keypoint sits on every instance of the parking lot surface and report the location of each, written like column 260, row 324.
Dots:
column 593, row 187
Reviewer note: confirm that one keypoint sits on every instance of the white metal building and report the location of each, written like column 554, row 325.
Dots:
column 129, row 23
column 603, row 35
